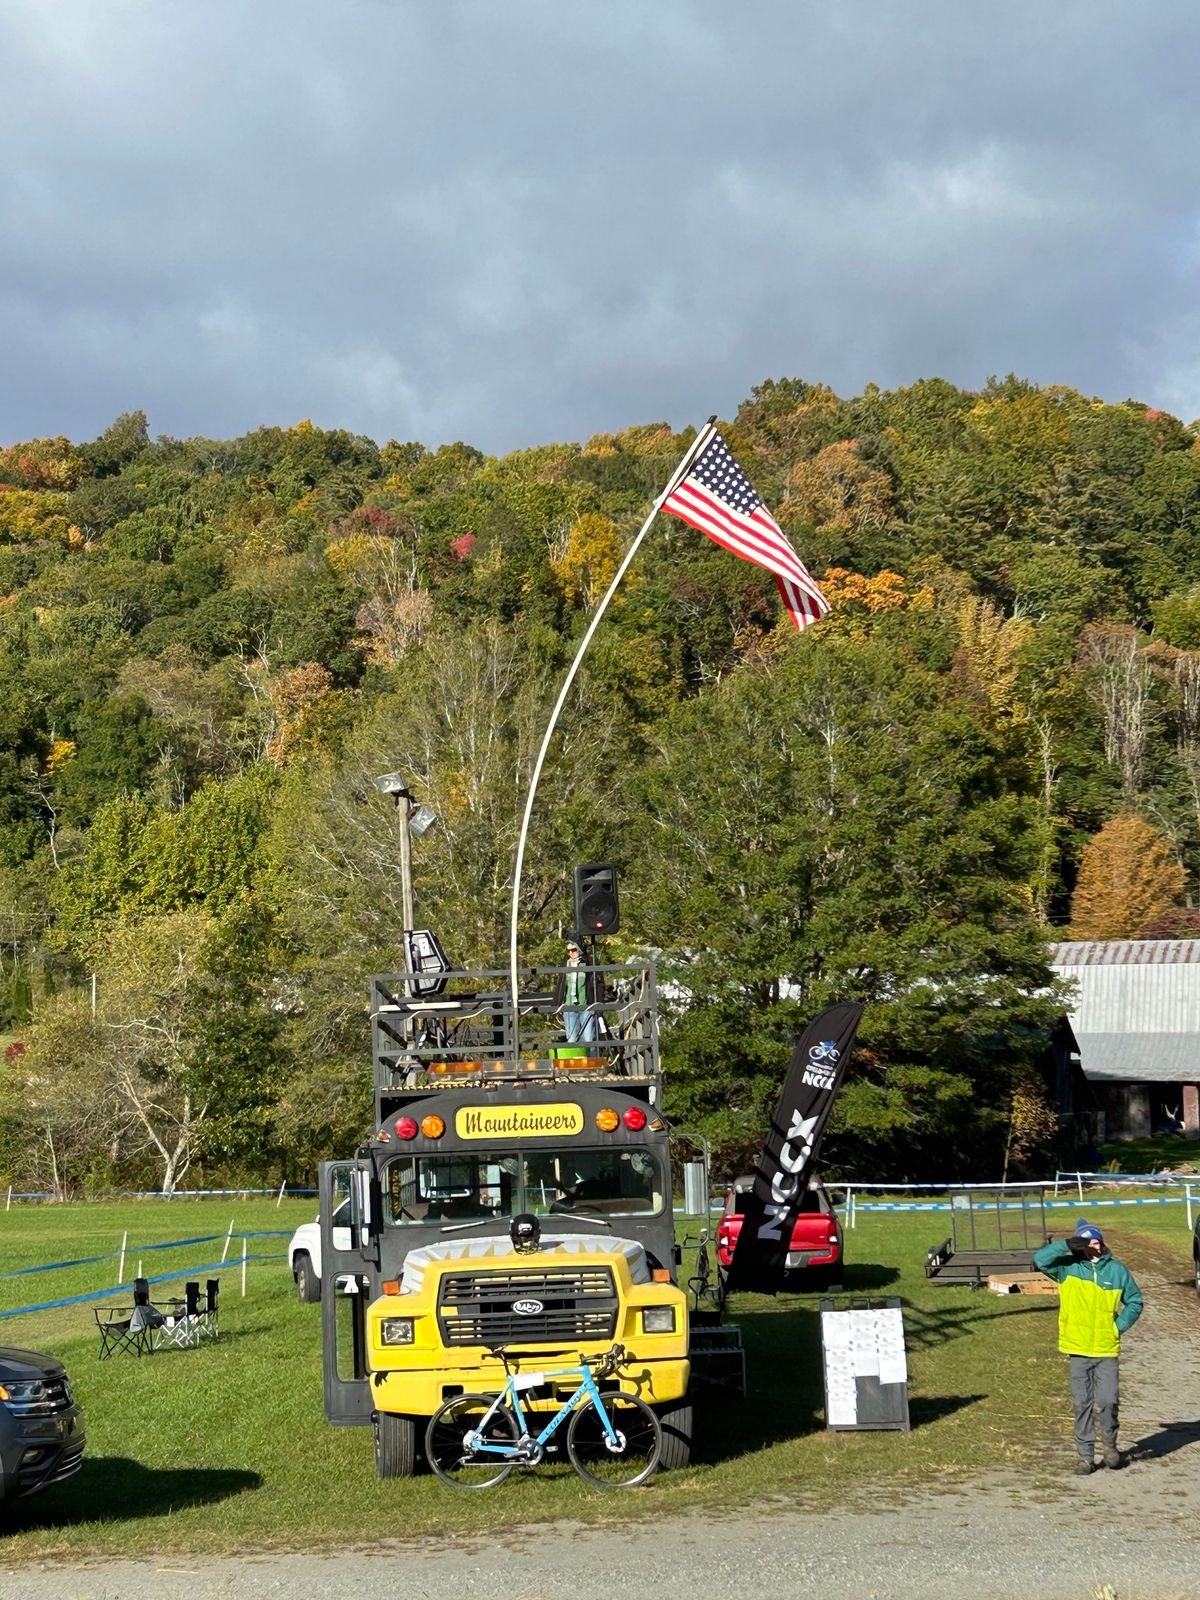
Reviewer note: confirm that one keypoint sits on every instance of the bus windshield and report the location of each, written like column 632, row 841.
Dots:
column 476, row 1185
column 611, row 1182
column 464, row 1187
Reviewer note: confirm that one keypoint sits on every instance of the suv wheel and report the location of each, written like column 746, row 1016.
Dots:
column 308, row 1285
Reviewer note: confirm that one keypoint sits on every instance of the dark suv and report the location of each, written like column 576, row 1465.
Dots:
column 1196, row 1253
column 41, row 1427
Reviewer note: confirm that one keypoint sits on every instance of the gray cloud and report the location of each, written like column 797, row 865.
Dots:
column 519, row 221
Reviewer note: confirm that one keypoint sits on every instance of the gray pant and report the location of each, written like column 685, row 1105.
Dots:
column 1094, row 1394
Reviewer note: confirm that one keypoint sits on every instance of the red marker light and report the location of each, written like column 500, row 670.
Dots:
column 634, row 1119
column 406, row 1128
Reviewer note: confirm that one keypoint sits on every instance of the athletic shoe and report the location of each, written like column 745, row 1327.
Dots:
column 1084, row 1468
column 1113, row 1459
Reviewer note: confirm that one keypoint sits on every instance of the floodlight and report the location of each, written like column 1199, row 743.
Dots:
column 421, row 819
column 391, row 783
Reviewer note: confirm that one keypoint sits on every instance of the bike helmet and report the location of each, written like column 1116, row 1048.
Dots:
column 525, row 1231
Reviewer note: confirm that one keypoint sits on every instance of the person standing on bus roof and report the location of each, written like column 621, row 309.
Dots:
column 578, row 993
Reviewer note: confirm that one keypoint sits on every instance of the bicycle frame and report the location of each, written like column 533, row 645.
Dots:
column 510, row 1395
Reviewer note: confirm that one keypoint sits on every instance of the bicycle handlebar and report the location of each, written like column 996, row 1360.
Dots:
column 602, row 1366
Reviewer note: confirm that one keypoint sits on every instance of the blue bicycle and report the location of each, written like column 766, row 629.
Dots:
column 475, row 1440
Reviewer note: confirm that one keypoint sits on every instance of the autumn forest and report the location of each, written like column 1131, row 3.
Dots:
column 211, row 647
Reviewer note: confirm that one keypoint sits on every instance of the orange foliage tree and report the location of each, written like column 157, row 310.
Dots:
column 1128, row 880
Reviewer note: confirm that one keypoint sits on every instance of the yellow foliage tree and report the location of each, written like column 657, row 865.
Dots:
column 1127, row 880
column 988, row 656
column 32, row 515
column 855, row 598
column 589, row 559
column 300, row 698
column 836, row 492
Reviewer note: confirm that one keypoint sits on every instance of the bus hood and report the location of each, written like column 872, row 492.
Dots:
column 500, row 1251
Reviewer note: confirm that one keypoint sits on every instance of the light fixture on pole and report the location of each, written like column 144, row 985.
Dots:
column 415, row 819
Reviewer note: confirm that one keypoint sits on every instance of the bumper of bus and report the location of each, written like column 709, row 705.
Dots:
column 419, row 1391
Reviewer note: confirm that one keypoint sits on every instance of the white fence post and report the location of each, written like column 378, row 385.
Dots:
column 8, row 1202
column 121, row 1265
column 1187, row 1194
column 228, row 1237
column 1079, row 1181
column 245, row 1250
column 279, row 1199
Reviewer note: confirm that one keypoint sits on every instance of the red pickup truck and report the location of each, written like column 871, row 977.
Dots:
column 814, row 1258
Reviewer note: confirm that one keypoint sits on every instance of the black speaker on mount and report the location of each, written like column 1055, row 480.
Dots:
column 597, row 909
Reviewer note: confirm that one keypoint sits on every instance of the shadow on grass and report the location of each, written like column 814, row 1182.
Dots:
column 785, row 1374
column 867, row 1277
column 933, row 1407
column 116, row 1489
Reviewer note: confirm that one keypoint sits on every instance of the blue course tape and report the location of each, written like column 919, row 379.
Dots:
column 171, row 1244
column 53, row 1266
column 145, row 1249
column 163, row 1277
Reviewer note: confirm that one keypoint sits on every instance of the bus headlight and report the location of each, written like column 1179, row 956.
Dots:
column 658, row 1319
column 396, row 1330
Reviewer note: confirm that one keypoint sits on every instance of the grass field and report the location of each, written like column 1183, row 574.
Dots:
column 1169, row 1151
column 226, row 1448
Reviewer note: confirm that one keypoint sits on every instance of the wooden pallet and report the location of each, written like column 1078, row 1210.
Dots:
column 1021, row 1283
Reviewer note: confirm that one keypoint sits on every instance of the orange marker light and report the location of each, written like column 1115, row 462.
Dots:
column 432, row 1126
column 607, row 1120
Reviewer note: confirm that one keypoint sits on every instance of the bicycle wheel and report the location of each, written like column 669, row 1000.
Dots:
column 619, row 1464
column 448, row 1453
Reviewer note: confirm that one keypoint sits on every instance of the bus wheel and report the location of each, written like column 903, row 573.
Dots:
column 308, row 1285
column 395, row 1445
column 675, row 1420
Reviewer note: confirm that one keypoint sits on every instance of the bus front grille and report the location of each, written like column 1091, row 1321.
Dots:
column 558, row 1305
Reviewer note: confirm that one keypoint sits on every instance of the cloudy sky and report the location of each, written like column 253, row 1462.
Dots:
column 518, row 220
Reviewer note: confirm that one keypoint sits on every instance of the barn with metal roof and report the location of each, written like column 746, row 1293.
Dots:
column 1136, row 1025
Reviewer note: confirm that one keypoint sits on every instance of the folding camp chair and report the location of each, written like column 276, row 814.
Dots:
column 208, row 1312
column 129, row 1330
column 182, row 1326
column 118, row 1335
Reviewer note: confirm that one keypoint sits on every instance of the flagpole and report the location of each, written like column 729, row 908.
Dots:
column 698, row 443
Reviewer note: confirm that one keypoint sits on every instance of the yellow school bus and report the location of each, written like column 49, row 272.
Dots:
column 483, row 1116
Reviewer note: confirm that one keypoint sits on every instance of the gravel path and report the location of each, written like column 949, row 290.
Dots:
column 1000, row 1539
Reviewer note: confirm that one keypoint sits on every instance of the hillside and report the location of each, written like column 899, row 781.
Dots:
column 210, row 647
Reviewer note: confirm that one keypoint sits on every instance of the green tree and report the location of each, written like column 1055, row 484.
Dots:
column 839, row 828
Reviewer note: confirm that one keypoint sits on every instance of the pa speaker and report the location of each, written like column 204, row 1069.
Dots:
column 596, row 907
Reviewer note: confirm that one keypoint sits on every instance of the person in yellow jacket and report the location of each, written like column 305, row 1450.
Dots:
column 1099, row 1300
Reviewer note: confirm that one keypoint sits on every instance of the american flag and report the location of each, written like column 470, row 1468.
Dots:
column 717, row 497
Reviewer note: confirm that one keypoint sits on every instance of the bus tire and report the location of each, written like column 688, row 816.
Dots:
column 395, row 1445
column 675, row 1420
column 308, row 1285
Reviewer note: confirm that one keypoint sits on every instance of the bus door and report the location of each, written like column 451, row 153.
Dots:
column 349, row 1213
